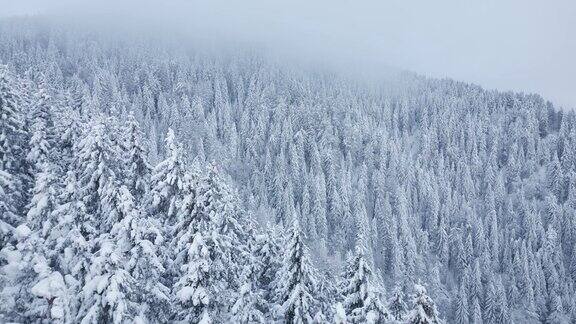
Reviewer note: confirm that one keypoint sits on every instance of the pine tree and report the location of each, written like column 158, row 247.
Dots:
column 246, row 309
column 461, row 305
column 193, row 293
column 267, row 253
column 361, row 301
column 44, row 199
column 65, row 234
column 556, row 314
column 340, row 314
column 490, row 303
column 424, row 310
column 21, row 270
column 12, row 140
column 52, row 288
column 12, row 123
column 146, row 266
column 42, row 137
column 137, row 167
column 7, row 208
column 296, row 282
column 168, row 183
column 476, row 313
column 209, row 246
column 109, row 289
column 318, row 208
column 105, row 294
column 396, row 306
column 553, row 176
column 96, row 165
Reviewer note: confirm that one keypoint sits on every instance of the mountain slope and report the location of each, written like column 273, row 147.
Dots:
column 472, row 192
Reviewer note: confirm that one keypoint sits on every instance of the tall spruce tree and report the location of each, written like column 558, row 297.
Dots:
column 136, row 162
column 168, row 183
column 361, row 297
column 424, row 310
column 296, row 282
column 13, row 137
column 208, row 241
column 361, row 300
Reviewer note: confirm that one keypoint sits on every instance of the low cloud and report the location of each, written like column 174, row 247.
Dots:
column 521, row 45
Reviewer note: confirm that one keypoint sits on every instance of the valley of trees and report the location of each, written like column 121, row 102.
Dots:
column 146, row 181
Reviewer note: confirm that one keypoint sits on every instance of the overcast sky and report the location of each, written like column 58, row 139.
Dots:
column 522, row 45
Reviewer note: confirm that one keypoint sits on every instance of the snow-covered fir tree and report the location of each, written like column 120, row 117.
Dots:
column 13, row 137
column 397, row 306
column 362, row 302
column 109, row 289
column 209, row 246
column 137, row 167
column 423, row 310
column 296, row 283
column 168, row 182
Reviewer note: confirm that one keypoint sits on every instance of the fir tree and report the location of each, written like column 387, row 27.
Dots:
column 145, row 263
column 7, row 208
column 12, row 140
column 424, row 310
column 361, row 298
column 246, row 309
column 267, row 253
column 460, row 307
column 23, row 267
column 168, row 183
column 96, row 164
column 44, row 199
column 396, row 306
column 137, row 167
column 109, row 289
column 296, row 282
column 42, row 138
column 207, row 240
column 361, row 301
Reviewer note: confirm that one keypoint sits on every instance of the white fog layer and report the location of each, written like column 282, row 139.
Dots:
column 520, row 45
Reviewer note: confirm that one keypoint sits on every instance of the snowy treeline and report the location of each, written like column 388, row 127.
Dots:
column 106, row 238
column 352, row 196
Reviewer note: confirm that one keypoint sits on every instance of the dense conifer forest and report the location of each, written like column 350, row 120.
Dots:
column 146, row 181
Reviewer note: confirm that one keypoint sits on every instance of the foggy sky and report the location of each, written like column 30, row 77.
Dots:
column 521, row 45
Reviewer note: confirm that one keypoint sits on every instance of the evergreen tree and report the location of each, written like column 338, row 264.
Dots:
column 42, row 138
column 7, row 208
column 340, row 314
column 22, row 268
column 296, row 282
column 109, row 289
column 44, row 199
column 476, row 312
column 424, row 310
column 12, row 139
column 267, row 253
column 490, row 304
column 146, row 266
column 208, row 243
column 361, row 301
column 137, row 167
column 396, row 306
column 461, row 305
column 168, row 183
column 246, row 308
column 96, row 166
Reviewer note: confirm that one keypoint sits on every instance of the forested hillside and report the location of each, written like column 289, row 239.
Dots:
column 143, row 180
